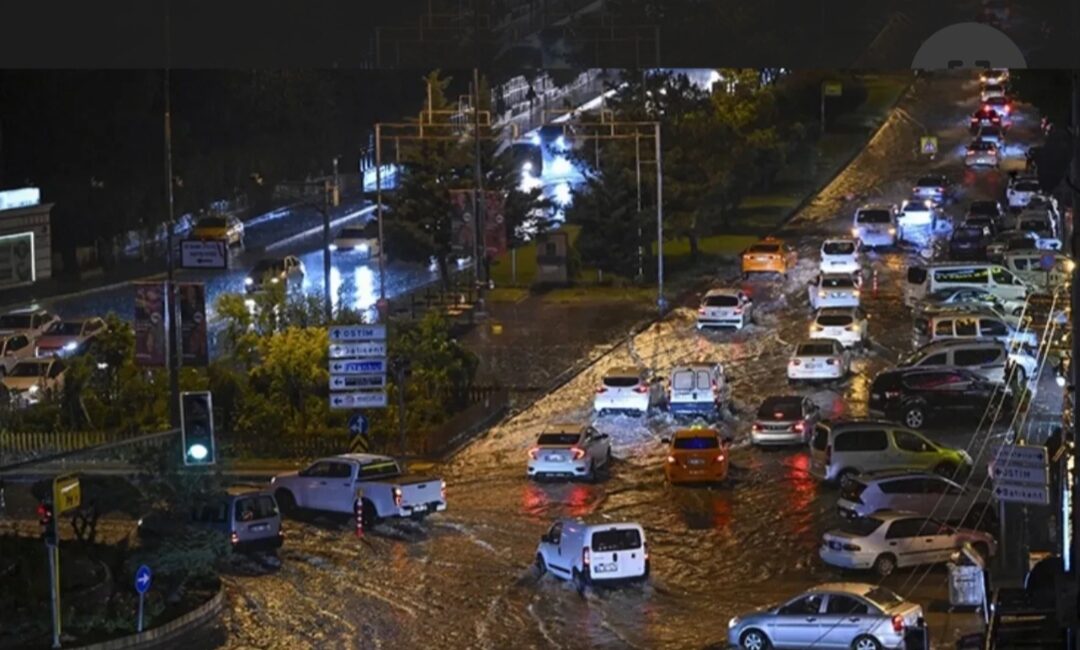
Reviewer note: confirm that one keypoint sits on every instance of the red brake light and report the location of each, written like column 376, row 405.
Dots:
column 534, row 453
column 641, row 389
column 986, row 107
column 579, row 453
column 898, row 623
column 756, row 427
column 798, row 427
column 397, row 497
column 602, row 389
column 720, row 458
column 585, row 556
column 671, row 459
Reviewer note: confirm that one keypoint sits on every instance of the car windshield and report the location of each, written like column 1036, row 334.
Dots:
column 861, row 526
column 29, row 369
column 606, row 541
column 621, row 381
column 211, row 222
column 721, row 301
column 352, row 233
column 838, row 248
column 65, row 328
column 837, row 283
column 834, row 320
column 815, row 350
column 558, row 439
column 982, row 145
column 929, row 181
column 765, row 248
column 884, row 597
column 873, row 216
column 968, row 233
column 781, row 408
column 16, row 321
column 697, row 442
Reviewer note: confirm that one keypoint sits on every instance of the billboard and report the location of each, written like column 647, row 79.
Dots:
column 204, row 254
column 494, row 222
column 150, row 325
column 191, row 299
column 17, row 259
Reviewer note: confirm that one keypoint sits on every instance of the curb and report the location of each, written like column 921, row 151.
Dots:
column 170, row 632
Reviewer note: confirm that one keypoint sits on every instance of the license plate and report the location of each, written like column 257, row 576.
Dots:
column 553, row 459
column 875, row 395
column 696, row 461
column 258, row 528
column 762, row 259
column 813, row 365
column 610, row 567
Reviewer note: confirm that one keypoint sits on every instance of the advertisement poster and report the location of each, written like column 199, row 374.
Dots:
column 150, row 323
column 191, row 299
column 494, row 222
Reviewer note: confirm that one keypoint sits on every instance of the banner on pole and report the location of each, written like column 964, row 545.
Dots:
column 150, row 325
column 192, row 305
column 494, row 222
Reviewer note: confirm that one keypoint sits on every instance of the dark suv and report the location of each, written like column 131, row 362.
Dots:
column 969, row 242
column 914, row 395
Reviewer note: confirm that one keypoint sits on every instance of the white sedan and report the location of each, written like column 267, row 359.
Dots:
column 569, row 452
column 916, row 213
column 628, row 391
column 1022, row 190
column 725, row 308
column 362, row 241
column 819, row 359
column 847, row 325
column 834, row 290
column 841, row 256
column 982, row 153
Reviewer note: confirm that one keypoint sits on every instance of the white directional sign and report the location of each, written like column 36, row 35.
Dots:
column 351, row 350
column 358, row 400
column 1018, row 455
column 354, row 382
column 1032, row 494
column 356, row 333
column 1018, row 475
column 204, row 254
column 357, row 366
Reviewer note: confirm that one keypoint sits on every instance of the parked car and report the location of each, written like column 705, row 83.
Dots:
column 725, row 308
column 699, row 390
column 983, row 152
column 849, row 325
column 876, row 225
column 32, row 323
column 588, row 554
column 991, row 90
column 969, row 243
column 993, row 361
column 885, row 541
column 333, row 484
column 819, row 359
column 1010, row 241
column 853, row 447
column 1003, row 106
column 629, row 391
column 923, row 279
column 915, row 395
column 362, row 240
column 972, row 325
column 835, row 615
column 834, row 290
column 69, row 337
column 284, row 270
column 784, row 420
column 770, row 255
column 994, row 76
column 251, row 521
column 1044, row 231
column 933, row 187
column 33, row 380
column 696, row 455
column 569, row 452
column 13, row 349
column 226, row 228
column 841, row 256
column 920, row 493
column 965, row 299
column 987, row 223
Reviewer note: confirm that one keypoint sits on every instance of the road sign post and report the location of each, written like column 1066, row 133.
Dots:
column 358, row 367
column 143, row 578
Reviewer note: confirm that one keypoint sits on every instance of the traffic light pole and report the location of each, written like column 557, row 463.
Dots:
column 171, row 348
column 1074, row 548
column 53, row 551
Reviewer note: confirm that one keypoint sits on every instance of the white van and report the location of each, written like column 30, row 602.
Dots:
column 876, row 225
column 699, row 389
column 593, row 553
column 970, row 326
column 994, row 278
column 1028, row 266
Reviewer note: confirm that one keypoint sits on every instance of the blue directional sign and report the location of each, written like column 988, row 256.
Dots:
column 358, row 425
column 142, row 579
column 355, row 333
column 357, row 366
column 1047, row 261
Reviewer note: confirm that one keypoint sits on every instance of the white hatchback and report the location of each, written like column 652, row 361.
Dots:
column 875, row 225
column 917, row 213
column 569, row 452
column 845, row 324
column 834, row 290
column 819, row 359
column 628, row 391
column 1022, row 190
column 725, row 308
column 588, row 554
column 841, row 256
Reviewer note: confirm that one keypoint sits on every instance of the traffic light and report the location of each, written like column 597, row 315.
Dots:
column 47, row 521
column 197, row 428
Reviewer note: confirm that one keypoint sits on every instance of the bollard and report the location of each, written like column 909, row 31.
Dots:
column 358, row 511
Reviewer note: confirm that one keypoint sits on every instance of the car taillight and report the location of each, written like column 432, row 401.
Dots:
column 701, row 310
column 578, row 452
column 855, row 293
column 851, row 547
column 641, row 389
column 234, row 538
column 892, row 394
column 756, row 427
column 971, row 152
column 720, row 458
column 585, row 556
column 898, row 623
column 443, row 491
column 738, row 310
column 798, row 427
column 397, row 497
column 831, row 361
column 671, row 460
column 645, row 550
column 602, row 389
column 534, row 453
column 796, row 362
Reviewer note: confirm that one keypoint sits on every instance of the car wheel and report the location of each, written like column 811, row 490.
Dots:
column 286, row 502
column 754, row 640
column 541, row 565
column 580, row 582
column 885, row 564
column 865, row 642
column 914, row 416
column 369, row 516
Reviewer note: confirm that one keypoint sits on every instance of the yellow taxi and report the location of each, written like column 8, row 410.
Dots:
column 696, row 455
column 226, row 227
column 770, row 255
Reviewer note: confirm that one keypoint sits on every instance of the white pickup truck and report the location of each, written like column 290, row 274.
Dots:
column 331, row 484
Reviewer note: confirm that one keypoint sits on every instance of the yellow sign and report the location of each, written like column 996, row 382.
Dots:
column 928, row 145
column 67, row 495
column 496, row 328
column 833, row 88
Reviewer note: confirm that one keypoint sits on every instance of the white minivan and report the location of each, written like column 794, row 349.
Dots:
column 994, row 278
column 876, row 225
column 1029, row 266
column 593, row 553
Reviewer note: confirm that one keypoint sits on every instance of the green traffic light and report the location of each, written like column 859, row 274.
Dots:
column 198, row 451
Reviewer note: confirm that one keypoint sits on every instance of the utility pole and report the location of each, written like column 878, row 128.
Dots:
column 479, row 245
column 637, row 171
column 660, row 302
column 328, row 304
column 1074, row 548
column 379, row 217
column 172, row 359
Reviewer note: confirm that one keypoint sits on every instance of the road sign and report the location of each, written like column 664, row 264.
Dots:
column 143, row 578
column 357, row 366
column 204, row 254
column 928, row 145
column 354, row 382
column 358, row 400
column 1031, row 494
column 357, row 333
column 1018, row 456
column 833, row 88
column 358, row 424
column 1004, row 475
column 1047, row 261
column 352, row 350
column 67, row 494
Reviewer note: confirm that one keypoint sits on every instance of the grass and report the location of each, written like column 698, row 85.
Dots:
column 600, row 293
column 506, row 294
column 715, row 245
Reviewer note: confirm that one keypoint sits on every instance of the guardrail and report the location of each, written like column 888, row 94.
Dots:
column 53, row 446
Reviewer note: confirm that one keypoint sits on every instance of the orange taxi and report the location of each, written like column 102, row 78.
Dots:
column 770, row 255
column 696, row 455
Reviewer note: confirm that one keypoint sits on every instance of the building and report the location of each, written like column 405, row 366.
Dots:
column 25, row 237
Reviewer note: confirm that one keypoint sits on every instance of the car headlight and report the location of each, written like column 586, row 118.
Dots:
column 928, row 203
column 70, row 346
column 892, row 231
column 733, row 622
column 33, row 389
column 333, row 247
column 139, row 522
column 363, row 248
column 275, row 280
column 249, row 281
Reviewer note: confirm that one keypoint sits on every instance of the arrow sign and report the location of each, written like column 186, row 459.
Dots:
column 358, row 400
column 1027, row 494
column 142, row 579
column 1018, row 475
column 352, row 350
column 358, row 367
column 358, row 425
column 1018, row 456
column 351, row 382
column 350, row 333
